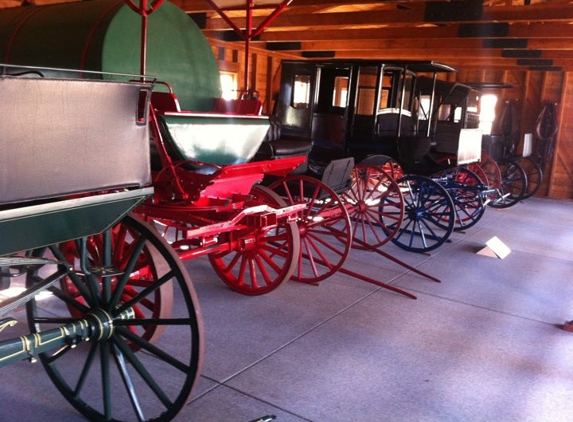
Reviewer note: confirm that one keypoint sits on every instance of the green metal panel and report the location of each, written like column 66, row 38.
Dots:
column 104, row 35
column 177, row 52
column 230, row 139
column 34, row 226
column 63, row 35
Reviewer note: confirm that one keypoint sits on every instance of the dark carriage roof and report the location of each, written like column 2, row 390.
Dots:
column 421, row 66
column 452, row 92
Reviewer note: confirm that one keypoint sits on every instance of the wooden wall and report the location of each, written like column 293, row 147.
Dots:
column 531, row 89
column 264, row 68
column 561, row 181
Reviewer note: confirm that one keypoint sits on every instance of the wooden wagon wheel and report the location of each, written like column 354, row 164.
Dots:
column 261, row 259
column 513, row 184
column 429, row 215
column 464, row 187
column 122, row 375
column 534, row 174
column 158, row 305
column 385, row 163
column 325, row 229
column 370, row 188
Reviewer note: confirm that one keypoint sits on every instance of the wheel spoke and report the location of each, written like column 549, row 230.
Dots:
column 267, row 258
column 140, row 363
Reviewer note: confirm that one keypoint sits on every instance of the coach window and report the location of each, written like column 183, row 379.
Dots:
column 340, row 93
column 366, row 91
column 301, row 91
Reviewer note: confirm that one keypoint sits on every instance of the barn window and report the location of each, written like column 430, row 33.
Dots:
column 229, row 85
column 487, row 114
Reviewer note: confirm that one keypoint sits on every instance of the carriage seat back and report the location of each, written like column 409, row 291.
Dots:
column 165, row 102
column 249, row 107
column 387, row 123
column 276, row 146
column 446, row 138
column 336, row 175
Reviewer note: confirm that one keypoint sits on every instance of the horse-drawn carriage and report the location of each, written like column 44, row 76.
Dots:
column 111, row 310
column 407, row 119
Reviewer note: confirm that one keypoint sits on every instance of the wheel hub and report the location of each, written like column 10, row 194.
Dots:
column 415, row 213
column 101, row 323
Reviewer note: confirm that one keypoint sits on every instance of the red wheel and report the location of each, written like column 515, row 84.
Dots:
column 387, row 164
column 372, row 187
column 144, row 273
column 491, row 170
column 324, row 226
column 479, row 172
column 259, row 259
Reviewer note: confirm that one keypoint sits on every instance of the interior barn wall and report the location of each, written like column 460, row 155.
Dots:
column 531, row 89
column 264, row 68
column 561, row 180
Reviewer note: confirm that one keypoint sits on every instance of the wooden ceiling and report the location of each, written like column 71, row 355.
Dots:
column 468, row 34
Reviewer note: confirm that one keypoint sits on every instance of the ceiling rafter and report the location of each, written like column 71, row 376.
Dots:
column 525, row 14
column 500, row 34
column 486, row 30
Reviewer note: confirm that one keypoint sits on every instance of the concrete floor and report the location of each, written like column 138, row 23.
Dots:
column 485, row 344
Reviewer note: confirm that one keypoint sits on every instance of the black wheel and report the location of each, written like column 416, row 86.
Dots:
column 465, row 188
column 429, row 216
column 513, row 184
column 534, row 174
column 147, row 365
column 324, row 225
column 263, row 258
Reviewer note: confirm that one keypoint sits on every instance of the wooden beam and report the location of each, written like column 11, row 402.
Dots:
column 560, row 31
column 199, row 6
column 550, row 47
column 544, row 12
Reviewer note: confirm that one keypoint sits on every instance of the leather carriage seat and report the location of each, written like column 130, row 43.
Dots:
column 248, row 107
column 387, row 124
column 275, row 146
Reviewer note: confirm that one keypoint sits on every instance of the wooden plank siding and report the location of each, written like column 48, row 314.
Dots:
column 264, row 68
column 561, row 179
